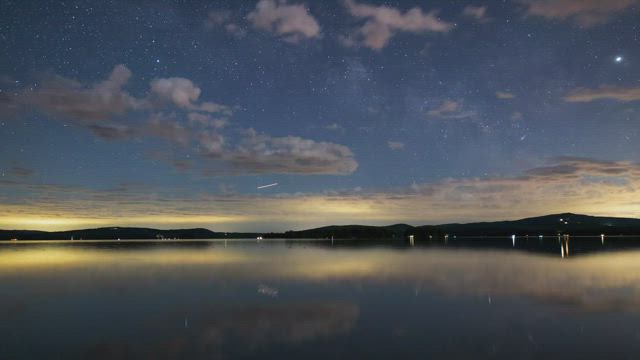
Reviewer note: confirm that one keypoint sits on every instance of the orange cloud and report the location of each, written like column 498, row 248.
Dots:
column 621, row 94
column 585, row 13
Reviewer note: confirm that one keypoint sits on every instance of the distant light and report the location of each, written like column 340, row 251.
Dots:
column 619, row 59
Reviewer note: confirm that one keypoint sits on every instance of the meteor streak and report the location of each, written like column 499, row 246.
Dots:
column 267, row 186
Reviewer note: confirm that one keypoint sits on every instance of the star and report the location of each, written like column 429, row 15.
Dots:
column 619, row 59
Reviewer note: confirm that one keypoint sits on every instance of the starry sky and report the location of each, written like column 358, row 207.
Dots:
column 177, row 113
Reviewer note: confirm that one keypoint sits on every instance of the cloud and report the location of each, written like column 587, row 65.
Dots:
column 110, row 131
column 293, row 22
column 383, row 22
column 157, row 126
column 505, row 95
column 561, row 184
column 217, row 18
column 182, row 93
column 575, row 167
column 212, row 107
column 450, row 109
column 207, row 120
column 574, row 184
column 395, row 145
column 222, row 19
column 604, row 93
column 97, row 106
column 21, row 171
column 167, row 128
column 195, row 126
column 477, row 13
column 62, row 97
column 335, row 127
column 585, row 13
column 259, row 153
column 212, row 143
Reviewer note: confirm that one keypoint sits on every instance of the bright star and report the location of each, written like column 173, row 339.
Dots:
column 619, row 59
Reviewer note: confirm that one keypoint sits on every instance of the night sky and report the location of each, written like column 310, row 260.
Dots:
column 172, row 114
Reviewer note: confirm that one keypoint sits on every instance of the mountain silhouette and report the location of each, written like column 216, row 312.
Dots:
column 548, row 225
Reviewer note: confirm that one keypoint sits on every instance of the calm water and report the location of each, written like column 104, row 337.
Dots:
column 481, row 299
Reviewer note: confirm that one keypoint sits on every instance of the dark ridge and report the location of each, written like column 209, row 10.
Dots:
column 548, row 225
column 124, row 233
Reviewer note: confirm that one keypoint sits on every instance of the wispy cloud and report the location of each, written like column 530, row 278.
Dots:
column 505, row 95
column 451, row 109
column 335, row 127
column 183, row 93
column 260, row 153
column 97, row 104
column 621, row 94
column 585, row 13
column 383, row 22
column 293, row 22
column 561, row 184
column 207, row 120
column 222, row 19
column 174, row 113
column 395, row 145
column 477, row 13
column 574, row 167
column 59, row 96
column 111, row 131
column 21, row 171
column 167, row 128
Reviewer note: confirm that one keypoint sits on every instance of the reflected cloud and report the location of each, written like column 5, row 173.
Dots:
column 608, row 281
column 251, row 327
column 285, row 322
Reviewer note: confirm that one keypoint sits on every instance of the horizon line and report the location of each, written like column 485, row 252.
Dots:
column 323, row 226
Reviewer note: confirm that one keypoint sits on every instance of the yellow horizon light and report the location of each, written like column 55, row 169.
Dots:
column 70, row 223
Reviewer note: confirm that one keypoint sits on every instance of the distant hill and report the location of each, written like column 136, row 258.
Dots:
column 566, row 223
column 549, row 225
column 341, row 232
column 112, row 233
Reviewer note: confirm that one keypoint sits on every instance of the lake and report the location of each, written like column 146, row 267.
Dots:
column 475, row 298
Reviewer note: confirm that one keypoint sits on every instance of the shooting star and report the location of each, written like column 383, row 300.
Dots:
column 267, row 186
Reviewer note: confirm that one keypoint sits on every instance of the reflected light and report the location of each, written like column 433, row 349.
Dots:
column 609, row 280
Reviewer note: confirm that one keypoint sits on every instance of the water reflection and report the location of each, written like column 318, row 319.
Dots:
column 315, row 300
column 210, row 329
